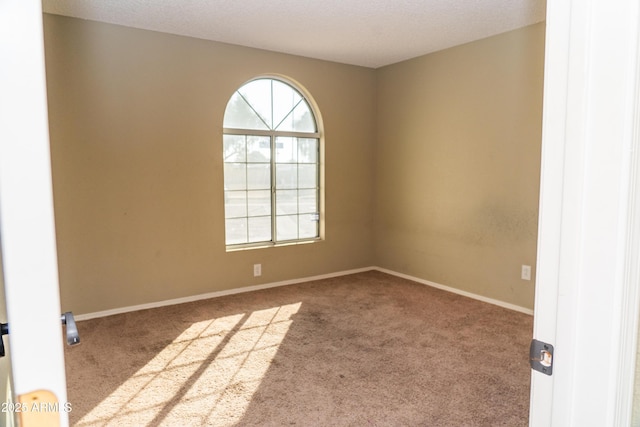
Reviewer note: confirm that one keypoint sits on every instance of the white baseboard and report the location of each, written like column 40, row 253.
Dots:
column 293, row 282
column 458, row 291
column 215, row 294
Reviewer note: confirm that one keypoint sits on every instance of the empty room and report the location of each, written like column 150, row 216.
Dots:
column 396, row 298
column 425, row 168
column 302, row 216
column 238, row 213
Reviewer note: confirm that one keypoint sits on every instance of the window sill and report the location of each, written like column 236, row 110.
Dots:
column 263, row 245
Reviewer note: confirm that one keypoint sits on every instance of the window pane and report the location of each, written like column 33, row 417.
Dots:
column 308, row 227
column 285, row 98
column 307, row 150
column 235, row 176
column 286, row 176
column 307, row 201
column 239, row 115
column 260, row 229
column 286, row 202
column 287, row 227
column 258, row 95
column 235, row 204
column 234, row 148
column 258, row 176
column 258, row 149
column 307, row 176
column 236, row 231
column 303, row 120
column 298, row 120
column 286, row 150
column 259, row 203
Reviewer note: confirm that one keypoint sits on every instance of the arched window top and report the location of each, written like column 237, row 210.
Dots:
column 269, row 104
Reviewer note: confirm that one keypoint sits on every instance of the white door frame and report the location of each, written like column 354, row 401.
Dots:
column 587, row 294
column 26, row 207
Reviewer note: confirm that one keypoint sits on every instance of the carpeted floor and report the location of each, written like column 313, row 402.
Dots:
column 368, row 349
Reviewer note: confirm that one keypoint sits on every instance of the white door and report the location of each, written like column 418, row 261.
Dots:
column 589, row 235
column 26, row 209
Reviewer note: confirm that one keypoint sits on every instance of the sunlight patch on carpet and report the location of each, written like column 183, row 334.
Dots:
column 207, row 375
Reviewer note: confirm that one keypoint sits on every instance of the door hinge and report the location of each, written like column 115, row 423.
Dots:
column 541, row 357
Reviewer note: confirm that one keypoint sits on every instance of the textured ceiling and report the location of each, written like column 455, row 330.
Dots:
column 370, row 33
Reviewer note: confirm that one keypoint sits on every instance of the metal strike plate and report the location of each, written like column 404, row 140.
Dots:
column 541, row 357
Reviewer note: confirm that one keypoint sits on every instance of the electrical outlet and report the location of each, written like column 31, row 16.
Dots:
column 257, row 270
column 526, row 272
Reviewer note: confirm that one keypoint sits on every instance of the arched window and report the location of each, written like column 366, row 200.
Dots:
column 271, row 165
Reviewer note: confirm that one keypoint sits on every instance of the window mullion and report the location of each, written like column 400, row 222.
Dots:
column 270, row 133
column 274, row 227
column 246, row 180
column 297, row 187
column 318, row 183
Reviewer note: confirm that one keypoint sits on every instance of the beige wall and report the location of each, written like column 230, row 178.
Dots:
column 458, row 165
column 442, row 152
column 136, row 138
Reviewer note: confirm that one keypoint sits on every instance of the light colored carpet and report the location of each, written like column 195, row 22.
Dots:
column 368, row 349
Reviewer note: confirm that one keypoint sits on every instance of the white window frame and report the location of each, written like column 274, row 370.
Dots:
column 273, row 135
